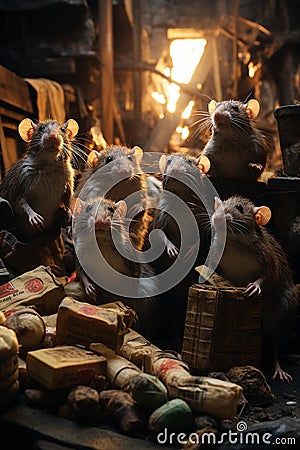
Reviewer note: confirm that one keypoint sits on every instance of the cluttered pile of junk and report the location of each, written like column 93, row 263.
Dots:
column 136, row 301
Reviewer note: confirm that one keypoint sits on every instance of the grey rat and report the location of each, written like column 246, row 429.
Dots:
column 120, row 176
column 182, row 177
column 253, row 258
column 236, row 148
column 103, row 216
column 42, row 180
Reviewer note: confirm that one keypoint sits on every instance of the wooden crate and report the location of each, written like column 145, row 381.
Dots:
column 222, row 328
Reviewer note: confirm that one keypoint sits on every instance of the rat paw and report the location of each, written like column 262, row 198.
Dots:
column 37, row 221
column 91, row 290
column 253, row 289
column 172, row 250
column 283, row 376
column 256, row 167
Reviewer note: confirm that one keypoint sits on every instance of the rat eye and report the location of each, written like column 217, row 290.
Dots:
column 42, row 127
column 235, row 108
column 239, row 208
column 189, row 161
column 129, row 157
column 88, row 208
column 111, row 209
column 108, row 159
column 63, row 129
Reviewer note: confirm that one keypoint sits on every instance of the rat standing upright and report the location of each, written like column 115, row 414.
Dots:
column 115, row 173
column 182, row 183
column 105, row 218
column 40, row 185
column 253, row 258
column 236, row 148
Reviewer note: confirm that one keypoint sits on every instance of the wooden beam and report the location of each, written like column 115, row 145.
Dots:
column 106, row 68
column 216, row 67
column 14, row 91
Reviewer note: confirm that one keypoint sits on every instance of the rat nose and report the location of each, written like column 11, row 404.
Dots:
column 53, row 136
column 221, row 118
column 175, row 167
column 101, row 223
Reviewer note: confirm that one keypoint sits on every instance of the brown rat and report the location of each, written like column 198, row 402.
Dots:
column 42, row 180
column 182, row 178
column 120, row 176
column 236, row 148
column 253, row 258
column 106, row 218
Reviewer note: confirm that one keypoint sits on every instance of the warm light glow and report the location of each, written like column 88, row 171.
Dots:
column 173, row 95
column 160, row 98
column 167, row 71
column 188, row 110
column 252, row 68
column 185, row 133
column 185, row 54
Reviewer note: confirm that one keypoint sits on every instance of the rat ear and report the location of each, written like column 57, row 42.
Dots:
column 71, row 127
column 252, row 109
column 262, row 215
column 121, row 208
column 218, row 202
column 212, row 106
column 76, row 207
column 162, row 163
column 26, row 129
column 203, row 163
column 93, row 158
column 138, row 153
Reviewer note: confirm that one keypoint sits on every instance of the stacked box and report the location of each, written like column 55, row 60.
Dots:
column 81, row 323
column 38, row 288
column 223, row 328
column 64, row 366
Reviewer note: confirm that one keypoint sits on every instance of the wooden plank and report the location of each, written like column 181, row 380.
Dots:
column 28, row 422
column 216, row 69
column 14, row 90
column 11, row 118
column 107, row 69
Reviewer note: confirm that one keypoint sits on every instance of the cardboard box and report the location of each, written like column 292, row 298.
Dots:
column 64, row 366
column 83, row 323
column 222, row 328
column 39, row 287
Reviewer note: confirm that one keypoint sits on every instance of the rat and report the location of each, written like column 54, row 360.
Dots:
column 253, row 258
column 41, row 182
column 113, row 162
column 236, row 148
column 103, row 216
column 182, row 177
column 177, row 170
